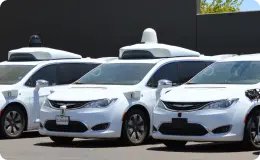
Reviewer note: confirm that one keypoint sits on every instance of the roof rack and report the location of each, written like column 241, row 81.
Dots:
column 149, row 48
column 40, row 54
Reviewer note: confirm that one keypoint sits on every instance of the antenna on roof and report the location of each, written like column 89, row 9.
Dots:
column 149, row 36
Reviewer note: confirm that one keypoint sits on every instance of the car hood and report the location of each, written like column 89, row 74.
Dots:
column 89, row 92
column 205, row 93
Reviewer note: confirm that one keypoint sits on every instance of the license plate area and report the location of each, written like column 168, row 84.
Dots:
column 62, row 120
column 179, row 122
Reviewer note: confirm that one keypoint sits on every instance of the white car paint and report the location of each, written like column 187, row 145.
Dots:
column 235, row 115
column 142, row 95
column 29, row 97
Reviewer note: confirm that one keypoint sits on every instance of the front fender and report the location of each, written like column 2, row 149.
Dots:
column 5, row 102
column 253, row 106
column 252, row 97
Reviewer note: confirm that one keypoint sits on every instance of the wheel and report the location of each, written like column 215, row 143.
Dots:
column 175, row 144
column 135, row 127
column 61, row 140
column 251, row 131
column 12, row 122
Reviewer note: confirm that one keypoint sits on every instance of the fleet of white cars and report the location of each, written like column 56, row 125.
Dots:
column 173, row 94
column 221, row 103
column 116, row 99
column 29, row 75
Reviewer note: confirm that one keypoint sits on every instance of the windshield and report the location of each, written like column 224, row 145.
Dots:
column 116, row 74
column 11, row 74
column 232, row 72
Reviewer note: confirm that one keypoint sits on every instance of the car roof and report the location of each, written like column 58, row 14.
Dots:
column 164, row 60
column 154, row 61
column 247, row 57
column 83, row 60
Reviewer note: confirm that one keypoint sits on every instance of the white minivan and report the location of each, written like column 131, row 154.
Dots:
column 116, row 99
column 27, row 77
column 220, row 104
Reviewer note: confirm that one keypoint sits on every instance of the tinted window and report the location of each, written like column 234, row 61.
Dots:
column 207, row 63
column 11, row 74
column 230, row 72
column 47, row 73
column 188, row 69
column 168, row 71
column 70, row 72
column 117, row 74
column 137, row 54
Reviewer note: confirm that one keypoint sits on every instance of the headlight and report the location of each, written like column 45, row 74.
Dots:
column 222, row 104
column 102, row 103
column 160, row 105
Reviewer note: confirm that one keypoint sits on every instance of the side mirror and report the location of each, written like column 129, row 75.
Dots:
column 41, row 83
column 164, row 83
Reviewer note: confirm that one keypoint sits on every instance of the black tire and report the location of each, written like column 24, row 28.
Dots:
column 12, row 122
column 140, row 132
column 248, row 141
column 61, row 140
column 174, row 145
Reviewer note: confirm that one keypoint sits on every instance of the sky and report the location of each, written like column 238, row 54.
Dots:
column 250, row 5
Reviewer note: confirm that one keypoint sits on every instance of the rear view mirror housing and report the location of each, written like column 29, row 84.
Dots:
column 164, row 83
column 41, row 83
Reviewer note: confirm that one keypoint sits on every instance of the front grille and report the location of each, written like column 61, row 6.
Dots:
column 188, row 129
column 68, row 104
column 74, row 126
column 182, row 106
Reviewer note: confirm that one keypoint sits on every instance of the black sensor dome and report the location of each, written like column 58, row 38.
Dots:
column 35, row 41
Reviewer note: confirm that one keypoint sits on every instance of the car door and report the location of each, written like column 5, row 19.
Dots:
column 168, row 71
column 59, row 76
column 37, row 98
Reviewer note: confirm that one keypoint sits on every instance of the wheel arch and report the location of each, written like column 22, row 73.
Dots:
column 23, row 109
column 250, row 112
column 246, row 136
column 143, row 109
column 246, row 119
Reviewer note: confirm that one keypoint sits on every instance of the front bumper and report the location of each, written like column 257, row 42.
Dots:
column 201, row 125
column 82, row 123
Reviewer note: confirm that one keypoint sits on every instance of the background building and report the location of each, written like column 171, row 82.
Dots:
column 100, row 28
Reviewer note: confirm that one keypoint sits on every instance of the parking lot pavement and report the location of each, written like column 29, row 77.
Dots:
column 31, row 147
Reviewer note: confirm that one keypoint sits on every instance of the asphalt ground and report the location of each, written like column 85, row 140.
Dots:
column 32, row 146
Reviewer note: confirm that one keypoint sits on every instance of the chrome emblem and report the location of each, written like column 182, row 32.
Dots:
column 63, row 108
column 67, row 104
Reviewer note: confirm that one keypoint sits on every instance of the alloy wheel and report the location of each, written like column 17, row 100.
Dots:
column 13, row 123
column 135, row 128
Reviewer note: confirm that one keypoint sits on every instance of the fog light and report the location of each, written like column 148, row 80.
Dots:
column 223, row 129
column 99, row 127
